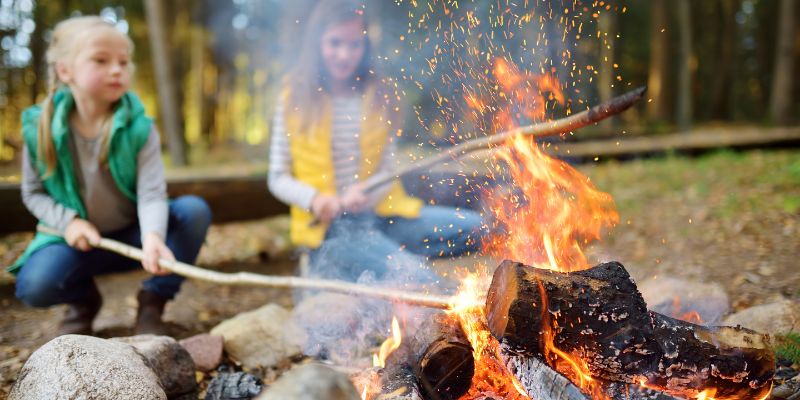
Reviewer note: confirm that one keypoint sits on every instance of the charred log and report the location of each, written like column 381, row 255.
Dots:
column 398, row 382
column 599, row 316
column 400, row 355
column 442, row 358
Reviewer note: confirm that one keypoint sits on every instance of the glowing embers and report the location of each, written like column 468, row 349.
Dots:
column 509, row 96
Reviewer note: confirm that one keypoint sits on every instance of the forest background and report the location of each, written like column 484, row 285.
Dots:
column 714, row 62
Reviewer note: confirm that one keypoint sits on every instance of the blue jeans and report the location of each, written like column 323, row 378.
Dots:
column 58, row 273
column 362, row 242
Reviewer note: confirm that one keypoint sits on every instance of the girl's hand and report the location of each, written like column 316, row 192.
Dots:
column 325, row 207
column 82, row 234
column 154, row 248
column 354, row 200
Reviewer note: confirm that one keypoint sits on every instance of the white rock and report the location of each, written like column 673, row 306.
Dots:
column 311, row 382
column 76, row 367
column 264, row 336
column 779, row 317
column 170, row 361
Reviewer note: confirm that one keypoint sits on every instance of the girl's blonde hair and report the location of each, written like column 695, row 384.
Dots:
column 68, row 37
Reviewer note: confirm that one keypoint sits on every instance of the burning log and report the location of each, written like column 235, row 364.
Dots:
column 598, row 317
column 544, row 383
column 442, row 358
column 398, row 382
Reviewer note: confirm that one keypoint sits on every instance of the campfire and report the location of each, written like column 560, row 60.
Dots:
column 555, row 327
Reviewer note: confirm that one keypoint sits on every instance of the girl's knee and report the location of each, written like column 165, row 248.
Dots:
column 37, row 291
column 194, row 210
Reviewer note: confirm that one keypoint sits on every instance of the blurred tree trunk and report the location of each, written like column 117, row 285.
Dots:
column 198, row 66
column 608, row 29
column 781, row 96
column 658, row 61
column 722, row 78
column 683, row 116
column 167, row 84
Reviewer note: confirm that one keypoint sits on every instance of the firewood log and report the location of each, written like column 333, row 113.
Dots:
column 541, row 382
column 442, row 358
column 599, row 316
column 398, row 381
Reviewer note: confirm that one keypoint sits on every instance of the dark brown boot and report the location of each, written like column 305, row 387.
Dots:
column 148, row 319
column 79, row 316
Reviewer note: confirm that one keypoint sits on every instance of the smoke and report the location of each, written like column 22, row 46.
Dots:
column 431, row 53
column 344, row 328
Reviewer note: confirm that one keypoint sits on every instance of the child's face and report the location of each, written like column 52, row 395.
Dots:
column 343, row 48
column 101, row 68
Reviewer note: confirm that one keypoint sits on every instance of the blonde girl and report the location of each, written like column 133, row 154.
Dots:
column 92, row 167
column 333, row 129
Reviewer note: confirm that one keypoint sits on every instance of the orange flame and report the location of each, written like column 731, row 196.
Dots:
column 546, row 218
column 490, row 374
column 691, row 316
column 388, row 346
column 551, row 214
column 706, row 395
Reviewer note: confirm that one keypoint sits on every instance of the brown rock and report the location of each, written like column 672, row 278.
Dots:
column 205, row 349
column 261, row 337
column 172, row 363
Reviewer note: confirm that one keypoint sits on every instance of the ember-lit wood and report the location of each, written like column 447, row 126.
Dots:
column 599, row 316
column 442, row 358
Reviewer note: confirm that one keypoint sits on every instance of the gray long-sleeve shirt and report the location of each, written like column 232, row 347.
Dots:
column 107, row 208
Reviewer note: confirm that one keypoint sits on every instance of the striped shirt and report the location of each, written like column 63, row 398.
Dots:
column 345, row 148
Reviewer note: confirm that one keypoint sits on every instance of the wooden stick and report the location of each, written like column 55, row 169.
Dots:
column 559, row 126
column 287, row 282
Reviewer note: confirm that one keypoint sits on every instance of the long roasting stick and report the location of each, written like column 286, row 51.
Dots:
column 287, row 282
column 559, row 126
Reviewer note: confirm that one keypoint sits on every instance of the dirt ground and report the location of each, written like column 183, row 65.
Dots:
column 730, row 218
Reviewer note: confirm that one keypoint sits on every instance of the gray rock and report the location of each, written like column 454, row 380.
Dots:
column 779, row 317
column 75, row 367
column 171, row 362
column 311, row 382
column 205, row 349
column 708, row 300
column 262, row 337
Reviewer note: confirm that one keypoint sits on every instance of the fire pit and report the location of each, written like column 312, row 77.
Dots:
column 555, row 327
column 583, row 335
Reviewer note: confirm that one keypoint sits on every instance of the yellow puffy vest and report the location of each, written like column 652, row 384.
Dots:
column 312, row 164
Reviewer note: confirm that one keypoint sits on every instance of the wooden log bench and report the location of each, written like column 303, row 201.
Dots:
column 241, row 198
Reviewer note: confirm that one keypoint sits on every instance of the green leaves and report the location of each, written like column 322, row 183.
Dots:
column 787, row 346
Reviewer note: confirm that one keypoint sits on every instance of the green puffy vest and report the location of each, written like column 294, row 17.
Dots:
column 130, row 129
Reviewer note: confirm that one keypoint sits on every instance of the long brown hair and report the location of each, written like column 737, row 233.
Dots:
column 68, row 37
column 308, row 75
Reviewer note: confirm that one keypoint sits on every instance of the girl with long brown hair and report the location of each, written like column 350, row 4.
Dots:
column 334, row 127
